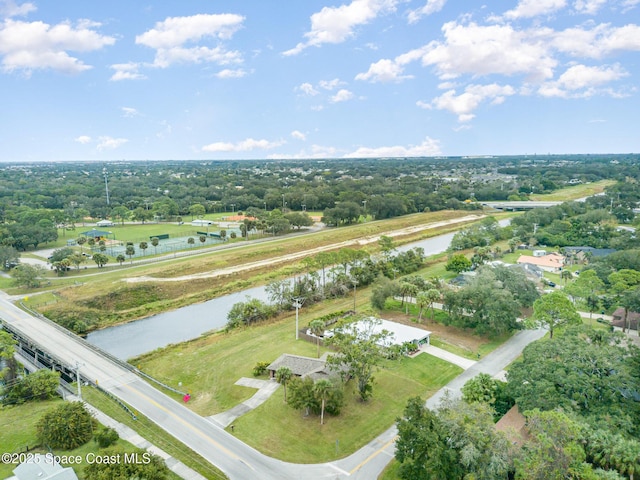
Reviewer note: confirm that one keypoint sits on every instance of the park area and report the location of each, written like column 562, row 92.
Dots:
column 209, row 367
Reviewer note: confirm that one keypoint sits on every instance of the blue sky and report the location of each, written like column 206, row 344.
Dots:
column 140, row 80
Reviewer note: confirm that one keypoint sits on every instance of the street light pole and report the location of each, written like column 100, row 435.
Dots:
column 298, row 301
column 78, row 381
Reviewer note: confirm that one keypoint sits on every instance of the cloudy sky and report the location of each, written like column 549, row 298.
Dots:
column 193, row 79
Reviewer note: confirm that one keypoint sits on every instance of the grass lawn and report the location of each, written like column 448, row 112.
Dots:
column 392, row 472
column 18, row 431
column 574, row 192
column 277, row 430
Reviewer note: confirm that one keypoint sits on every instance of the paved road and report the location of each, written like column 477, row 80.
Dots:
column 236, row 459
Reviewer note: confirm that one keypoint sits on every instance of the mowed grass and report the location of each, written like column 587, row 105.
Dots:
column 574, row 192
column 209, row 366
column 279, row 431
column 18, row 432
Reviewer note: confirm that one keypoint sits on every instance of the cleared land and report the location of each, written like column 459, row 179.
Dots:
column 574, row 192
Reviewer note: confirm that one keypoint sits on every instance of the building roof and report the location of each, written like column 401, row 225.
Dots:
column 401, row 333
column 552, row 260
column 95, row 233
column 618, row 319
column 595, row 252
column 514, row 425
column 40, row 467
column 298, row 364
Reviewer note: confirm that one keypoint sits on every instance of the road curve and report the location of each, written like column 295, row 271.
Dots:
column 233, row 457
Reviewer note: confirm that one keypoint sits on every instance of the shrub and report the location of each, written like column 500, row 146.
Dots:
column 260, row 368
column 105, row 437
column 66, row 426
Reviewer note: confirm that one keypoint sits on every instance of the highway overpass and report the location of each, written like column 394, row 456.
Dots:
column 512, row 206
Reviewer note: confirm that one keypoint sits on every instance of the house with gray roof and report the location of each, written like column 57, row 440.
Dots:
column 300, row 366
column 41, row 467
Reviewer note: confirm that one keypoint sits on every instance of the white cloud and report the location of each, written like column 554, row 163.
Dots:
column 598, row 41
column 342, row 95
column 242, row 146
column 428, row 148
column 110, row 143
column 170, row 36
column 32, row 46
column 337, row 24
column 126, row 71
column 9, row 8
column 317, row 151
column 582, row 81
column 297, row 134
column 432, row 6
column 83, row 139
column 308, row 89
column 330, row 84
column 589, row 7
column 228, row 73
column 467, row 102
column 534, row 8
column 129, row 112
column 384, row 71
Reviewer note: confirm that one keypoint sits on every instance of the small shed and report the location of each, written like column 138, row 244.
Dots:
column 104, row 223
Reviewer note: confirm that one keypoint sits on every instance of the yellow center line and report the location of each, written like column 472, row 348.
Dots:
column 373, row 455
column 188, row 425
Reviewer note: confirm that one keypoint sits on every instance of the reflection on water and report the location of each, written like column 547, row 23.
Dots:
column 142, row 336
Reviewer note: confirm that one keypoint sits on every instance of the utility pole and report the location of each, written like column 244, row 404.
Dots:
column 298, row 301
column 78, row 381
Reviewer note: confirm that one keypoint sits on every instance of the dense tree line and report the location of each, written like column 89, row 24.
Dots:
column 34, row 198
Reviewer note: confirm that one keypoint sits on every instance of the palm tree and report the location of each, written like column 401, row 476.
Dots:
column 155, row 241
column 433, row 296
column 283, row 375
column 131, row 251
column 81, row 241
column 421, row 301
column 321, row 388
column 120, row 258
column 317, row 328
column 566, row 275
column 143, row 246
column 191, row 241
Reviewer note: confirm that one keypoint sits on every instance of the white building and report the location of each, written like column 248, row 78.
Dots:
column 42, row 467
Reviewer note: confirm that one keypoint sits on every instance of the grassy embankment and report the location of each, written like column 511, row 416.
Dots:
column 103, row 299
column 573, row 192
column 18, row 431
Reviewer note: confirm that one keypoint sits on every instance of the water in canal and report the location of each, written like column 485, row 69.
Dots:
column 142, row 336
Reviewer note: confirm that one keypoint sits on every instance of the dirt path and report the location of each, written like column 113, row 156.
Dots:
column 295, row 256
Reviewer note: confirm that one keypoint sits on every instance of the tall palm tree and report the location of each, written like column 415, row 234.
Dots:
column 283, row 375
column 317, row 328
column 321, row 388
column 566, row 275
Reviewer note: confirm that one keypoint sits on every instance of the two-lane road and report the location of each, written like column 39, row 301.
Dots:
column 236, row 459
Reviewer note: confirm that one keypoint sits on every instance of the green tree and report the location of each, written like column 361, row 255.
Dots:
column 148, row 466
column 105, row 437
column 481, row 388
column 458, row 263
column 9, row 257
column 81, row 240
column 566, row 275
column 120, row 259
column 130, row 251
column 422, row 447
column 143, row 246
column 387, row 247
column 555, row 449
column 587, row 285
column 7, row 351
column 283, row 375
column 552, row 311
column 191, row 241
column 361, row 348
column 40, row 385
column 155, row 241
column 77, row 259
column 321, row 389
column 101, row 259
column 317, row 327
column 121, row 212
column 66, row 426
column 197, row 210
column 29, row 276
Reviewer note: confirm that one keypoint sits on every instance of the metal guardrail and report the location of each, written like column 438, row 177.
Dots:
column 92, row 347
